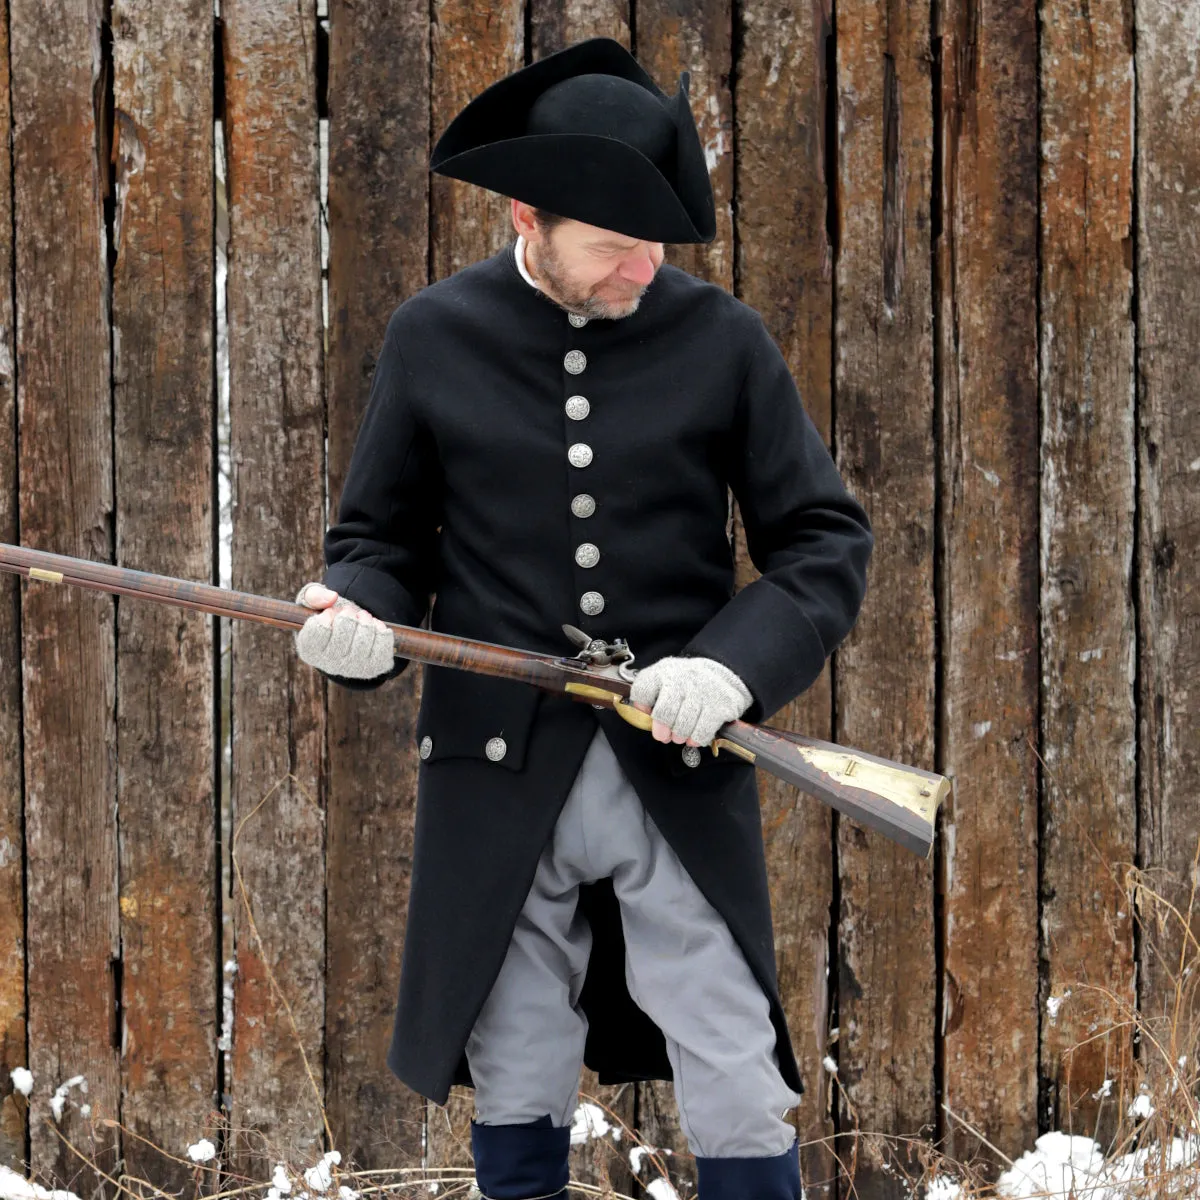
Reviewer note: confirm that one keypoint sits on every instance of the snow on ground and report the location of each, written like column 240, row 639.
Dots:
column 590, row 1122
column 17, row 1187
column 203, row 1151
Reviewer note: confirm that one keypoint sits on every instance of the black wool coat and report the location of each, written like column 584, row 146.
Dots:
column 460, row 486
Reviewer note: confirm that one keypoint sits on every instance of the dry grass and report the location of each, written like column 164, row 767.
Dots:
column 1138, row 1156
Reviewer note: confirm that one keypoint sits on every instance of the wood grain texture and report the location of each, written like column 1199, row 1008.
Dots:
column 1087, row 534
column 698, row 38
column 60, row 175
column 783, row 268
column 276, row 434
column 557, row 24
column 887, row 967
column 1168, row 568
column 987, row 275
column 472, row 48
column 163, row 438
column 13, row 1108
column 378, row 151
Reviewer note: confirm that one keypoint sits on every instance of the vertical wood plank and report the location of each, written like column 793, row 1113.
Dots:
column 1168, row 314
column 1087, row 503
column 696, row 38
column 12, row 844
column 986, row 263
column 472, row 48
column 60, row 176
column 276, row 446
column 885, row 672
column 783, row 268
column 163, row 421
column 556, row 24
column 378, row 151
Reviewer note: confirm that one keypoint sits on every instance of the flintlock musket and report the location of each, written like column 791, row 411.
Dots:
column 900, row 802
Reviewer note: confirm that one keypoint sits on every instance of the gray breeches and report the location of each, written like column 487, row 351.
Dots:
column 682, row 967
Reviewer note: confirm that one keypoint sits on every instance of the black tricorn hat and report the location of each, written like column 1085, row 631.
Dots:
column 586, row 134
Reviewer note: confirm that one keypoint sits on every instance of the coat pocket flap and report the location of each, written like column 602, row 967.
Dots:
column 465, row 715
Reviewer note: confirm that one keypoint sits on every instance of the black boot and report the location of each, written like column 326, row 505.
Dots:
column 773, row 1178
column 521, row 1162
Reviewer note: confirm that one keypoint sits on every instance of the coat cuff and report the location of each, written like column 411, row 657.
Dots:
column 764, row 637
column 383, row 597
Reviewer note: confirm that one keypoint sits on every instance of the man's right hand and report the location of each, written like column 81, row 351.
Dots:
column 341, row 638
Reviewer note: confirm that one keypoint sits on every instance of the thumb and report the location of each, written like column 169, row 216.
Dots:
column 316, row 595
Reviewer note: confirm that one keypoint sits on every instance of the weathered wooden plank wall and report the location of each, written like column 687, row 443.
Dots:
column 61, row 181
column 277, row 429
column 163, row 323
column 1166, row 253
column 378, row 184
column 986, row 305
column 991, row 319
column 783, row 267
column 12, row 891
column 885, row 674
column 1088, row 720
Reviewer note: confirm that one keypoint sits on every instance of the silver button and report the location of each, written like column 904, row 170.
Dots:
column 583, row 505
column 592, row 603
column 579, row 454
column 691, row 756
column 426, row 746
column 575, row 361
column 578, row 408
column 496, row 748
column 587, row 555
column 576, row 320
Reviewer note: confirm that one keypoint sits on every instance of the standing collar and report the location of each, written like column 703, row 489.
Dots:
column 519, row 256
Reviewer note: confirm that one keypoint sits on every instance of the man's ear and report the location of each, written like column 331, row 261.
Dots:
column 523, row 220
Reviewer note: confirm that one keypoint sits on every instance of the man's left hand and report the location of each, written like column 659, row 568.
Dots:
column 689, row 698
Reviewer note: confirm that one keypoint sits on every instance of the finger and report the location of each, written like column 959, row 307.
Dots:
column 645, row 689
column 660, row 732
column 313, row 638
column 707, row 725
column 316, row 595
column 342, row 638
column 690, row 709
column 666, row 708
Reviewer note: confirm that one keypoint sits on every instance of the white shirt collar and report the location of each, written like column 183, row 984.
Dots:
column 519, row 255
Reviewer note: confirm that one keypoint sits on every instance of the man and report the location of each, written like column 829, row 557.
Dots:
column 550, row 439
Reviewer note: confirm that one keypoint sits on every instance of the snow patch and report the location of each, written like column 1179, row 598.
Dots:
column 1053, row 1004
column 660, row 1189
column 280, row 1181
column 203, row 1151
column 589, row 1122
column 22, row 1080
column 17, row 1187
column 59, row 1099
column 943, row 1189
column 320, row 1177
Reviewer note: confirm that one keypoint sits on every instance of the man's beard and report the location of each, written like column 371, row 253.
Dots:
column 547, row 265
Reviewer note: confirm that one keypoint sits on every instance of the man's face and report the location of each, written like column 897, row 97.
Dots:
column 592, row 271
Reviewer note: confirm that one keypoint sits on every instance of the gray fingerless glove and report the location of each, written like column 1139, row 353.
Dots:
column 345, row 640
column 694, row 696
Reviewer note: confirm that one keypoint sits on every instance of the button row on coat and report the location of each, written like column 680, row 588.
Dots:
column 580, row 455
column 496, row 748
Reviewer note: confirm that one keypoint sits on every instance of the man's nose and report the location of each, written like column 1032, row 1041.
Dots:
column 638, row 270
